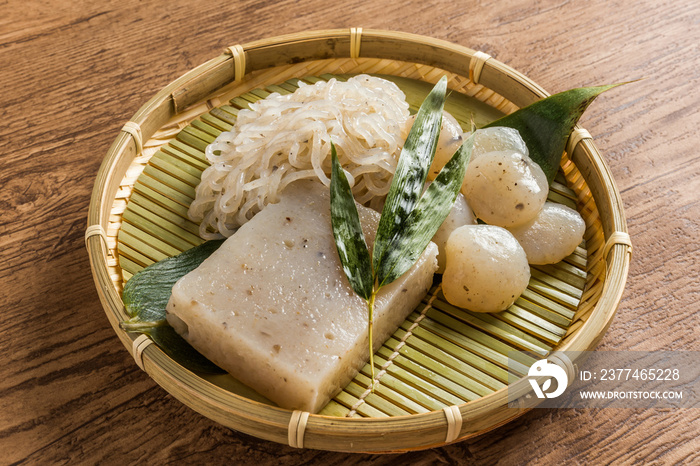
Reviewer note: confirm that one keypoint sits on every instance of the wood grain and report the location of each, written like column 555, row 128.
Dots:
column 72, row 74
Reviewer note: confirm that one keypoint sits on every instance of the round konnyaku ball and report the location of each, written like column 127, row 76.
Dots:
column 486, row 268
column 497, row 138
column 552, row 235
column 505, row 188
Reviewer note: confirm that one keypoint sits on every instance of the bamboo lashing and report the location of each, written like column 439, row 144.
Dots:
column 355, row 41
column 577, row 135
column 297, row 428
column 476, row 65
column 618, row 237
column 562, row 360
column 138, row 347
column 453, row 417
column 134, row 130
column 96, row 230
column 239, row 64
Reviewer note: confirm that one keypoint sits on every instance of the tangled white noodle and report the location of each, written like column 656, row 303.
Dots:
column 283, row 138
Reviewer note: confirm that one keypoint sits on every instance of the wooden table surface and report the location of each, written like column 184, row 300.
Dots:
column 73, row 71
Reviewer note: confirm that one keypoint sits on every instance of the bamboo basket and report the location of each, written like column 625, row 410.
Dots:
column 429, row 395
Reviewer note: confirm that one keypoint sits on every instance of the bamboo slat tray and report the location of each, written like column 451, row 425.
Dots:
column 445, row 370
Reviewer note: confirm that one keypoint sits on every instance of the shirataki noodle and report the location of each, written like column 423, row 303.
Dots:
column 283, row 138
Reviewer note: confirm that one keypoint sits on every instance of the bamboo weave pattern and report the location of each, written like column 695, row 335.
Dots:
column 452, row 357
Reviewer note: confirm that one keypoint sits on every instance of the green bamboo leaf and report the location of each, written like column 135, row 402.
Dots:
column 146, row 295
column 347, row 231
column 427, row 216
column 545, row 125
column 412, row 169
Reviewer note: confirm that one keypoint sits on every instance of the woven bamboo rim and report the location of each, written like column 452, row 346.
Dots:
column 244, row 67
